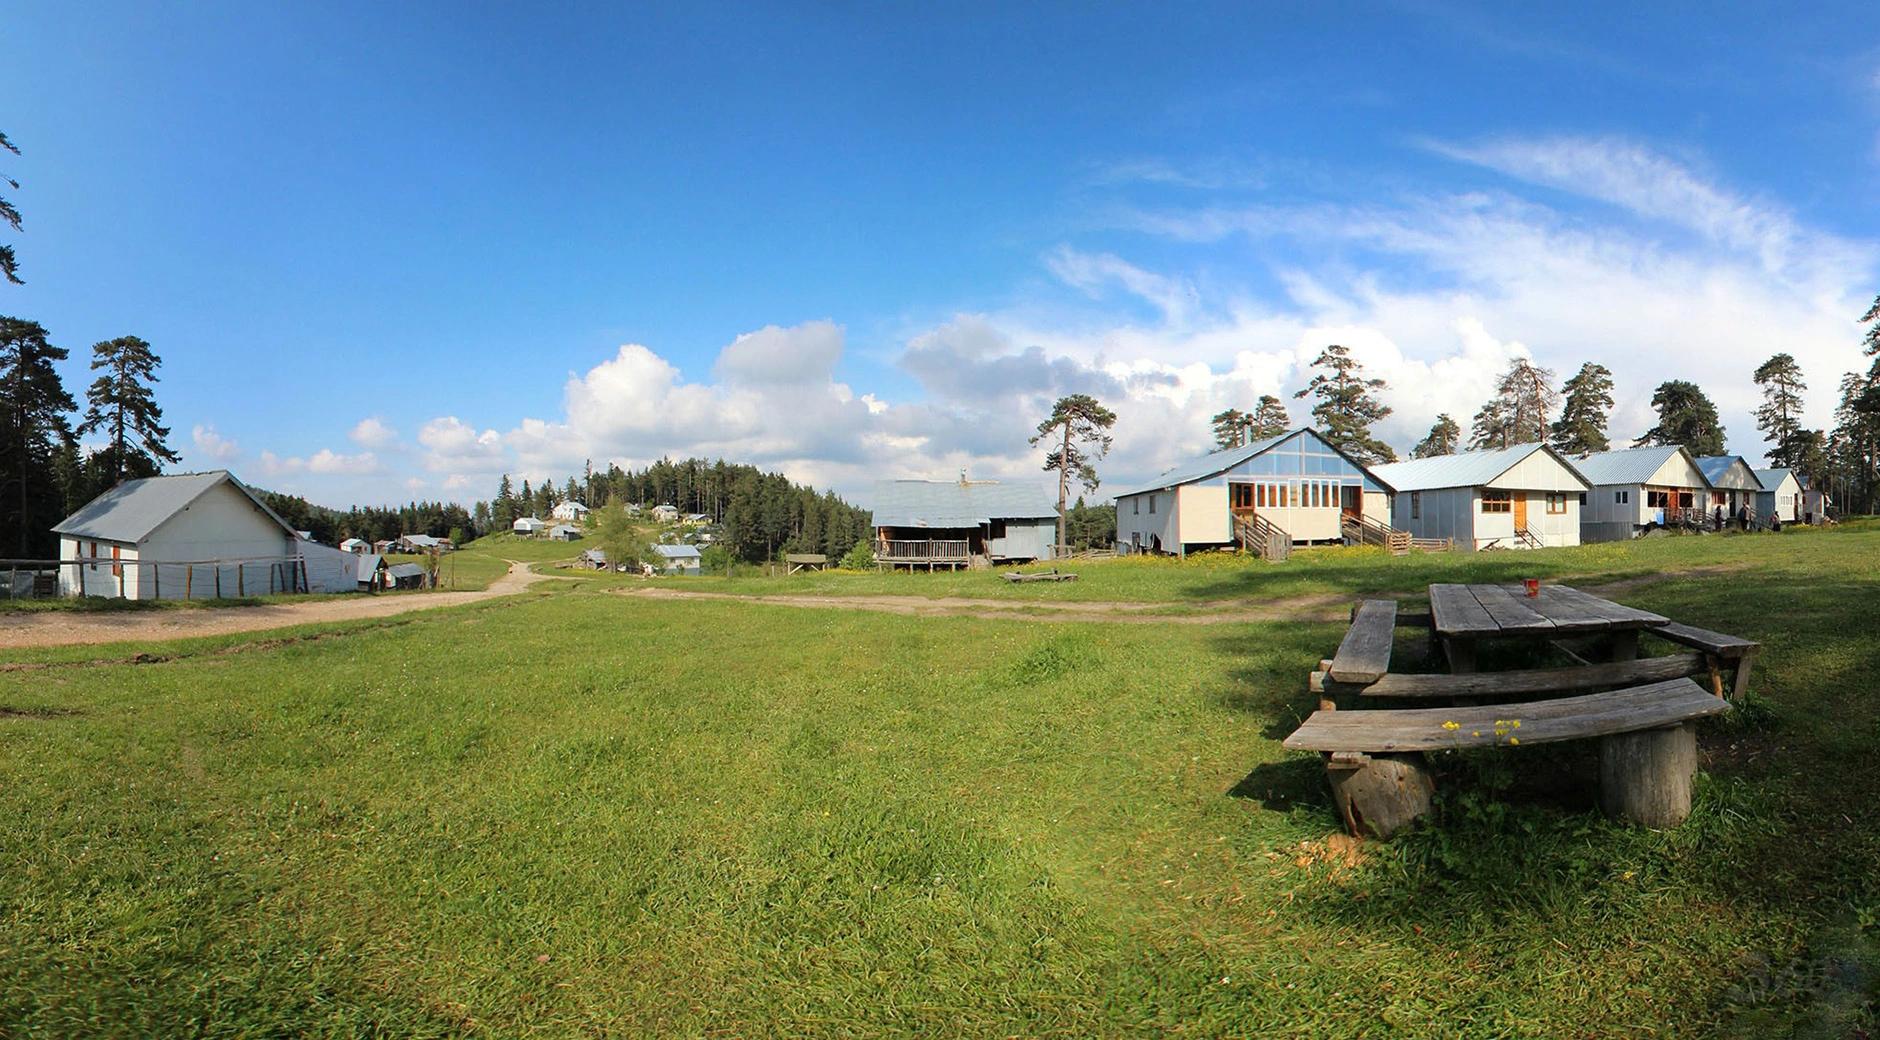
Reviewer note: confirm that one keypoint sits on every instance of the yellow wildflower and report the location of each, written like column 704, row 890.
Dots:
column 1452, row 725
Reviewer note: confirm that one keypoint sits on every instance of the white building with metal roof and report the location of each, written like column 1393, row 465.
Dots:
column 1733, row 483
column 1524, row 497
column 1296, row 481
column 1781, row 494
column 678, row 559
column 951, row 523
column 1637, row 489
column 192, row 535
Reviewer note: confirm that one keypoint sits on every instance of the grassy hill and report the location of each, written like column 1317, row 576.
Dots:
column 576, row 813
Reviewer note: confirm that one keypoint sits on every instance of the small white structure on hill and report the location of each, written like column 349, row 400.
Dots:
column 1781, row 495
column 570, row 512
column 194, row 535
column 1524, row 497
column 356, row 545
column 423, row 543
column 666, row 514
column 679, row 559
column 1635, row 489
column 1733, row 484
column 528, row 525
column 564, row 533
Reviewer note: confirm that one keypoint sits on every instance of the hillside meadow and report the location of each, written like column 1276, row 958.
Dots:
column 575, row 813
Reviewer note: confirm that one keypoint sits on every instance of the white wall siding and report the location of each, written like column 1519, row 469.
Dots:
column 1203, row 514
column 1137, row 525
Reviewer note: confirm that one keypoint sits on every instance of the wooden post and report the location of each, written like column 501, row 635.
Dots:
column 241, row 590
column 156, row 578
column 1645, row 777
column 1716, row 673
column 218, row 580
column 189, row 580
column 1379, row 795
column 1741, row 685
column 1461, row 654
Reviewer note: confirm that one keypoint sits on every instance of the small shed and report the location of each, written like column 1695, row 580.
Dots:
column 528, row 525
column 1637, row 489
column 1781, row 495
column 564, row 533
column 679, row 559
column 424, row 543
column 1815, row 504
column 666, row 514
column 1733, row 483
column 356, row 545
column 951, row 523
column 370, row 573
column 1524, row 497
column 593, row 559
column 404, row 576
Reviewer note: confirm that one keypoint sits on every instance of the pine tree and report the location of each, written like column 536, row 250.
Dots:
column 1230, row 428
column 1780, row 415
column 1270, row 418
column 9, row 264
column 1443, row 437
column 1582, row 426
column 1685, row 416
column 121, row 403
column 1347, row 405
column 1081, row 428
column 32, row 427
column 1870, row 343
column 1517, row 414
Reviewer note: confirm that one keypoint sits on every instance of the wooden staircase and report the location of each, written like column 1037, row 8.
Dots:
column 1362, row 530
column 1261, row 536
column 1526, row 540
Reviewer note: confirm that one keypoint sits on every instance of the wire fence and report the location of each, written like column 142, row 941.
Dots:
column 130, row 578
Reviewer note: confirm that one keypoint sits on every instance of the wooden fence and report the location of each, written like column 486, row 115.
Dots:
column 149, row 579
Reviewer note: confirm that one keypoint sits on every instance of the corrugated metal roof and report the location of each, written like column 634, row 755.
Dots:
column 1205, row 466
column 677, row 552
column 1715, row 467
column 949, row 503
column 560, row 529
column 1464, row 469
column 399, row 571
column 1625, row 466
column 133, row 509
column 369, row 565
column 1771, row 479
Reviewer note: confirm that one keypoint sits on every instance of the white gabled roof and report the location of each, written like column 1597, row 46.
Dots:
column 135, row 508
column 1465, row 469
column 1205, row 466
column 677, row 552
column 1630, row 465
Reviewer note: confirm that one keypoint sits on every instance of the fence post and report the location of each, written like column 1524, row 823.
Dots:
column 189, row 580
column 241, row 590
column 218, row 579
column 156, row 574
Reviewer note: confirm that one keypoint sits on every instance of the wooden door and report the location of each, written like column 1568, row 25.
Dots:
column 1520, row 510
column 1351, row 501
column 1240, row 499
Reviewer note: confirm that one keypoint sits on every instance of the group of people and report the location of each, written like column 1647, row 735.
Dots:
column 1743, row 517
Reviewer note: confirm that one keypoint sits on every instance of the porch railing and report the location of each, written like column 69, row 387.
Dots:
column 923, row 550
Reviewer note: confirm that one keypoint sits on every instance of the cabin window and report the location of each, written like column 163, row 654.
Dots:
column 1494, row 501
column 1259, row 495
column 1656, row 499
column 1556, row 503
column 1582, row 498
column 1684, row 500
column 1717, row 498
column 94, row 550
column 1416, row 505
column 1295, row 496
column 117, row 570
column 1135, row 507
column 1240, row 496
column 1151, row 505
column 1622, row 497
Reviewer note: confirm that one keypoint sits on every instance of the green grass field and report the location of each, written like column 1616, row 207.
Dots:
column 578, row 814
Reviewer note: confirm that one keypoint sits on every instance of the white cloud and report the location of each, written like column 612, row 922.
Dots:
column 212, row 444
column 374, row 434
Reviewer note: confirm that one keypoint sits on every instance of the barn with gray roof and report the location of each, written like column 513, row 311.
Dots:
column 955, row 523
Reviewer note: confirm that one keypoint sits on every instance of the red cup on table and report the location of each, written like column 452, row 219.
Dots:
column 1532, row 585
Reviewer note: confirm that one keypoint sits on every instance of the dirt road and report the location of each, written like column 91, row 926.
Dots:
column 68, row 628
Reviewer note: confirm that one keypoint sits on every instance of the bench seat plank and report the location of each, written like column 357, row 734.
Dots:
column 1568, row 718
column 1524, row 683
column 1364, row 654
column 1704, row 639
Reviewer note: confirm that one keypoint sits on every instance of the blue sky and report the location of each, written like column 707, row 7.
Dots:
column 389, row 251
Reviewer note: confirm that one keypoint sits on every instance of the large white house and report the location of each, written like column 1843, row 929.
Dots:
column 1635, row 489
column 192, row 535
column 1524, row 497
column 1297, row 481
column 570, row 512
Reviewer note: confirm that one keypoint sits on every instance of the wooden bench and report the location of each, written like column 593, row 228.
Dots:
column 1529, row 682
column 1720, row 651
column 805, row 562
column 1647, row 754
column 1364, row 654
column 1051, row 575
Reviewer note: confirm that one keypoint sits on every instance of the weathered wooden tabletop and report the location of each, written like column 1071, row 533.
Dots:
column 1506, row 610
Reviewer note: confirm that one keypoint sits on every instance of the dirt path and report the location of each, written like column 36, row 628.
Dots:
column 1322, row 607
column 69, row 628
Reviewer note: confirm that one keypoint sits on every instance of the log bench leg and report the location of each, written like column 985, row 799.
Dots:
column 1741, row 685
column 1625, row 645
column 1379, row 795
column 1645, row 777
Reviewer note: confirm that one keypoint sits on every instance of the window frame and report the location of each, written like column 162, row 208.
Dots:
column 1495, row 500
column 1416, row 505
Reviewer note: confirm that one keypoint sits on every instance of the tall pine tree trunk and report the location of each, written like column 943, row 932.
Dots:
column 1064, row 465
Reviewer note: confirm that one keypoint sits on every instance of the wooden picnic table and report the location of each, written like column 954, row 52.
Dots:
column 1462, row 615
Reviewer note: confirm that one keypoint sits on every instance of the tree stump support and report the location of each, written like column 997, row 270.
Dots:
column 1379, row 795
column 1645, row 777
